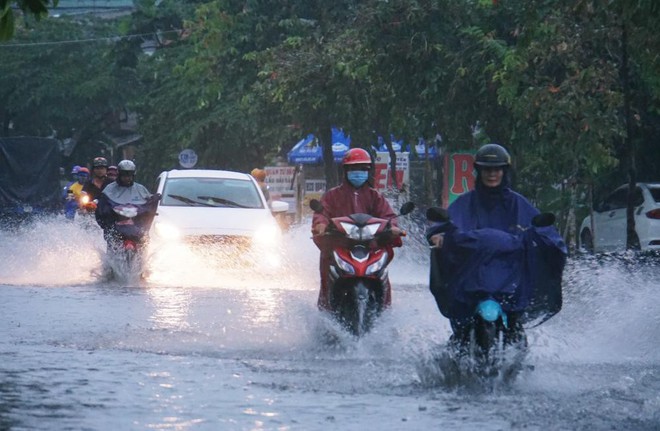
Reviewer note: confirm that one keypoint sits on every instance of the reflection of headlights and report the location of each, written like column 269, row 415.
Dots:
column 378, row 265
column 167, row 231
column 343, row 265
column 267, row 235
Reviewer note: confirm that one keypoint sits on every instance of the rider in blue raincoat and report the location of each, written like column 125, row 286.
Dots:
column 489, row 249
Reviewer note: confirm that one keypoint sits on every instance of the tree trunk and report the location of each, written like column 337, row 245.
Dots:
column 325, row 139
column 631, row 236
column 570, row 228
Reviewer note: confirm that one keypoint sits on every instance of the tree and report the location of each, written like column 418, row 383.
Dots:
column 36, row 8
column 51, row 85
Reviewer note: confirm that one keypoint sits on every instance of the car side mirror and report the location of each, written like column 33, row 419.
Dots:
column 279, row 206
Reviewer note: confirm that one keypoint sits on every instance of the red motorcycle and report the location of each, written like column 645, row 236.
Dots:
column 361, row 251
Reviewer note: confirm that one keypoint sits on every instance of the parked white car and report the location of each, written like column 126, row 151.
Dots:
column 209, row 208
column 608, row 231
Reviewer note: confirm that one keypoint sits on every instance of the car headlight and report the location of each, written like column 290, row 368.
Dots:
column 342, row 264
column 167, row 231
column 267, row 235
column 378, row 265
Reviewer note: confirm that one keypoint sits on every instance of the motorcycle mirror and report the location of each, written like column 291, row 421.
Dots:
column 543, row 220
column 407, row 208
column 437, row 214
column 316, row 206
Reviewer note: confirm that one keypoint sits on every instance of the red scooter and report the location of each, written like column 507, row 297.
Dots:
column 361, row 251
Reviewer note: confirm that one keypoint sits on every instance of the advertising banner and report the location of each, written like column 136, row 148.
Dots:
column 459, row 175
column 282, row 184
column 382, row 171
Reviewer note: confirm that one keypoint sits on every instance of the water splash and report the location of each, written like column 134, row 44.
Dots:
column 52, row 252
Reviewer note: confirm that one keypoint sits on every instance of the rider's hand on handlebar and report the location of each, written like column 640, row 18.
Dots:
column 397, row 232
column 319, row 229
column 437, row 240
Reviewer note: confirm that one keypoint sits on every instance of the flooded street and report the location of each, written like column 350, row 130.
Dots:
column 198, row 347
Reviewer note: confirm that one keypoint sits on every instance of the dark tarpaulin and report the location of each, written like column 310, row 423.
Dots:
column 29, row 175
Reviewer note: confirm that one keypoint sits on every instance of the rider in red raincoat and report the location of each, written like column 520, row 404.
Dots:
column 354, row 195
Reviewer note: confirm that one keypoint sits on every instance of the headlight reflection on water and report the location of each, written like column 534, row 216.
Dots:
column 171, row 307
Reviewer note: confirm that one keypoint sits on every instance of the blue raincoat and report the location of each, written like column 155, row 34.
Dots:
column 491, row 250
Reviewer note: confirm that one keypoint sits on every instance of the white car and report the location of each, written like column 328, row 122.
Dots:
column 608, row 230
column 208, row 208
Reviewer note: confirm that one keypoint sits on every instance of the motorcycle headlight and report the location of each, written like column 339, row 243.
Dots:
column 342, row 264
column 361, row 234
column 167, row 231
column 378, row 265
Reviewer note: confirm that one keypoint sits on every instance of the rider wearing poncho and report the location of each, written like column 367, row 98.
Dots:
column 124, row 191
column 484, row 253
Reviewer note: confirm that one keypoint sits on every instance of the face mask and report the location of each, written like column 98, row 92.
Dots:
column 357, row 178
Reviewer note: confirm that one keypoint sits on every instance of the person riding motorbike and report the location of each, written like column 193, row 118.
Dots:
column 74, row 179
column 354, row 195
column 74, row 192
column 98, row 182
column 520, row 266
column 124, row 191
column 112, row 173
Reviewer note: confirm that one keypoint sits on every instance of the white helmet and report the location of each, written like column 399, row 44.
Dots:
column 126, row 165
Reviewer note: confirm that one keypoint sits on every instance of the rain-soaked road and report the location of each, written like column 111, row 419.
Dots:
column 197, row 347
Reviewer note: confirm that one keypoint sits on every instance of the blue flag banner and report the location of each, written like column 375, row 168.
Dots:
column 308, row 151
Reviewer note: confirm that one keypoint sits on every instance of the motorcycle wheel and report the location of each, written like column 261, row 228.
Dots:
column 356, row 307
column 488, row 346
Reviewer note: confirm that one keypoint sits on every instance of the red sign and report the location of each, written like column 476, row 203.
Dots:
column 459, row 176
column 382, row 171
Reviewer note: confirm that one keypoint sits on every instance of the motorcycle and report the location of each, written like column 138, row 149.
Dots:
column 127, row 237
column 491, row 341
column 82, row 205
column 361, row 252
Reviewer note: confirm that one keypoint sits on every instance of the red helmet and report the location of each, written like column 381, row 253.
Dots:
column 356, row 156
column 83, row 171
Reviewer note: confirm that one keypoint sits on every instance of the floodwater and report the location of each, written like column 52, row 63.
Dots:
column 197, row 346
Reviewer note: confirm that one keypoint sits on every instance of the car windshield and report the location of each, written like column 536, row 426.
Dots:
column 655, row 192
column 211, row 192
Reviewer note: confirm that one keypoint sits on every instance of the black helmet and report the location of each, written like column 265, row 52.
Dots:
column 100, row 162
column 492, row 155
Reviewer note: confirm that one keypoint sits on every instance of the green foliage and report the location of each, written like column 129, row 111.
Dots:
column 240, row 81
column 64, row 88
column 36, row 8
